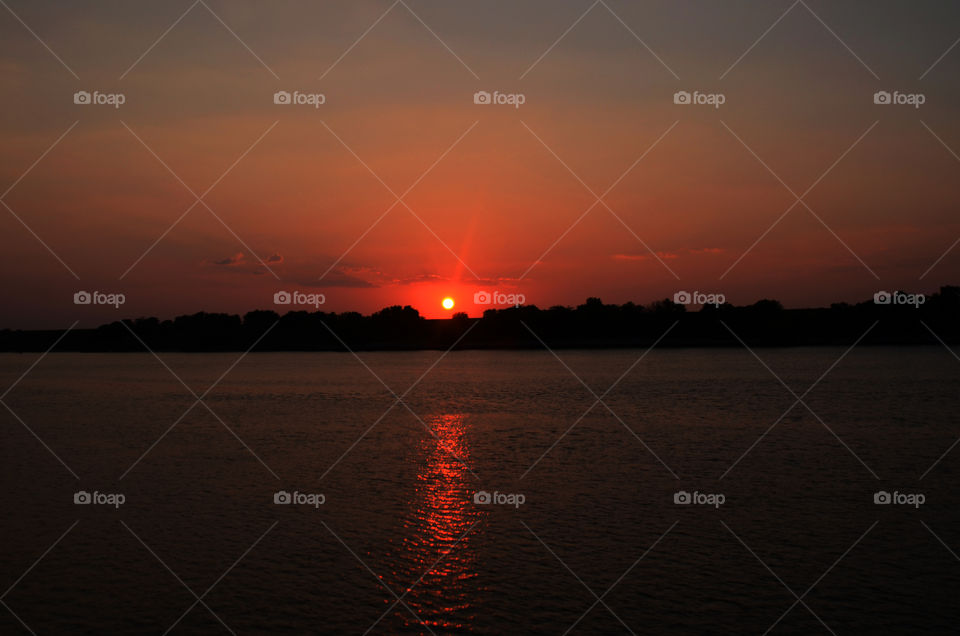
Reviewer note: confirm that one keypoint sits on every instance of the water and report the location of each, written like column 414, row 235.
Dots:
column 399, row 516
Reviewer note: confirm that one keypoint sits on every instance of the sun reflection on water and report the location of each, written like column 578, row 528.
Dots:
column 440, row 511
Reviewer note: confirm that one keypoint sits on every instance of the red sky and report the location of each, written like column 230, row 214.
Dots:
column 496, row 191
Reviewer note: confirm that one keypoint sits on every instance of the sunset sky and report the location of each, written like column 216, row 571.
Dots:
column 494, row 190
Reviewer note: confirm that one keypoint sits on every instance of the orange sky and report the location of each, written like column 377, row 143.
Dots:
column 497, row 188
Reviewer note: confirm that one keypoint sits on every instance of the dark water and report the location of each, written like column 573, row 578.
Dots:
column 798, row 517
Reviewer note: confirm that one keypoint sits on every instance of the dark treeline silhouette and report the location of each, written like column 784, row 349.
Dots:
column 590, row 325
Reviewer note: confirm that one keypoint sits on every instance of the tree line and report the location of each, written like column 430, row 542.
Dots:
column 592, row 324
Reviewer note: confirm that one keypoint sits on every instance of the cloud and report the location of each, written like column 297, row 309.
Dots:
column 645, row 256
column 238, row 262
column 367, row 276
column 342, row 276
column 419, row 278
column 231, row 261
column 708, row 250
column 308, row 273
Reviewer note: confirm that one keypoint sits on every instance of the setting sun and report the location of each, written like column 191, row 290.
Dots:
column 447, row 303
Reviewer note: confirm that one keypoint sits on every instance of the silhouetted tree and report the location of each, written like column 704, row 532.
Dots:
column 591, row 324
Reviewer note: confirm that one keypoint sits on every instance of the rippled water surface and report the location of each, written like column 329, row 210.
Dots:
column 398, row 448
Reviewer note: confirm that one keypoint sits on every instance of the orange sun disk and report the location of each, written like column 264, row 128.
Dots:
column 447, row 303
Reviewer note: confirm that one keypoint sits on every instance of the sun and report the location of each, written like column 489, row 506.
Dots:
column 447, row 303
